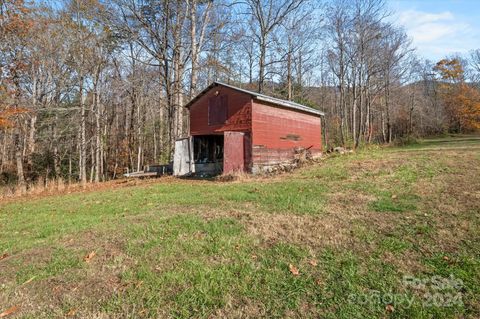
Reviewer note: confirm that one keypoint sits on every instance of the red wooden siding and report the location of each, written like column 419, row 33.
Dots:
column 234, row 152
column 277, row 132
column 218, row 110
column 239, row 112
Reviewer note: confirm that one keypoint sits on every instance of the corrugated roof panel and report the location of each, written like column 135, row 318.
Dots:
column 261, row 97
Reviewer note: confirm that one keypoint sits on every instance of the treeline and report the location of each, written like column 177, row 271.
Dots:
column 92, row 88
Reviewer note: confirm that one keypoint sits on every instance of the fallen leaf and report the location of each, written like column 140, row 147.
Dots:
column 389, row 308
column 9, row 311
column 29, row 280
column 89, row 257
column 313, row 262
column 294, row 270
column 72, row 312
column 394, row 196
column 3, row 256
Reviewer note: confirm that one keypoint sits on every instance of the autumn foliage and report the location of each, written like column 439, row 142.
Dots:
column 6, row 116
column 461, row 99
column 15, row 27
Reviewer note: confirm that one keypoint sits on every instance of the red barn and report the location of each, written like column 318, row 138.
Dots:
column 232, row 129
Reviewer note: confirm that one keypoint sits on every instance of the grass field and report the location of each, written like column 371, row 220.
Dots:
column 382, row 233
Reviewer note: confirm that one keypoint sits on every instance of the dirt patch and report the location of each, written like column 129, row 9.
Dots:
column 243, row 309
column 406, row 263
column 330, row 229
column 87, row 285
column 452, row 200
column 376, row 166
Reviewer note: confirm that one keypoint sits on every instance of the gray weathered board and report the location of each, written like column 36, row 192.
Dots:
column 183, row 157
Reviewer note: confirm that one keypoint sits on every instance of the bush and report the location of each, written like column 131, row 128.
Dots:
column 405, row 140
column 8, row 178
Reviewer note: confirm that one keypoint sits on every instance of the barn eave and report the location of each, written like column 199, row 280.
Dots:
column 260, row 97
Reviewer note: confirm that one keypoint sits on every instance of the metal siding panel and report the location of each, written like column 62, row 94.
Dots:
column 182, row 157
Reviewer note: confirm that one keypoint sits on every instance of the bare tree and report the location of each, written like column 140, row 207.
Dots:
column 475, row 65
column 267, row 16
column 92, row 89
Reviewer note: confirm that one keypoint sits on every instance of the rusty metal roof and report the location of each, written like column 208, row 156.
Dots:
column 261, row 97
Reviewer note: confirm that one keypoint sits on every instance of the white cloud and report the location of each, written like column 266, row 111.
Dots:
column 418, row 17
column 437, row 34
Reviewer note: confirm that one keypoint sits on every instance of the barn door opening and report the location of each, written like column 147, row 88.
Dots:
column 234, row 152
column 208, row 154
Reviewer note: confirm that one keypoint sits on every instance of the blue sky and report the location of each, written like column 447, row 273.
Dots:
column 439, row 28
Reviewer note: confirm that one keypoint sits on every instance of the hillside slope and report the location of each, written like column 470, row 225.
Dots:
column 333, row 240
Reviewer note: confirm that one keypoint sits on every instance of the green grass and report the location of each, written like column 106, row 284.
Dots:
column 60, row 260
column 353, row 225
column 450, row 141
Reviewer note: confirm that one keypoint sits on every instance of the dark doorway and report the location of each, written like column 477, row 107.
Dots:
column 208, row 154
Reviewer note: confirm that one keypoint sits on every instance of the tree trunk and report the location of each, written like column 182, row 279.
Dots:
column 103, row 155
column 56, row 162
column 387, row 112
column 3, row 158
column 22, row 187
column 299, row 70
column 289, row 70
column 155, row 147
column 162, row 131
column 261, row 66
column 410, row 117
column 32, row 124
column 83, row 137
column 98, row 132
column 69, row 170
column 92, row 158
column 354, row 111
column 195, row 49
column 31, row 137
column 140, row 136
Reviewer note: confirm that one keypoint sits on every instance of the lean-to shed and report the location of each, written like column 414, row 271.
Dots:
column 232, row 129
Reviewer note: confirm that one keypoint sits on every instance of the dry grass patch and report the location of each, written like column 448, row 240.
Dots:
column 54, row 281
